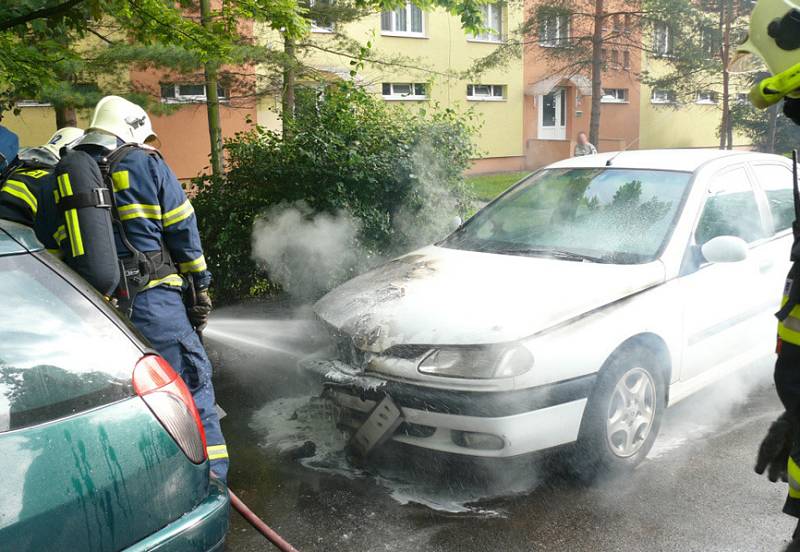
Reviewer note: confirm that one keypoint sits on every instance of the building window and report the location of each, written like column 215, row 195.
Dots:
column 553, row 29
column 404, row 91
column 662, row 39
column 32, row 103
column 188, row 93
column 626, row 59
column 743, row 98
column 615, row 58
column 404, row 21
column 709, row 42
column 321, row 22
column 486, row 92
column 615, row 95
column 493, row 22
column 662, row 96
column 706, row 97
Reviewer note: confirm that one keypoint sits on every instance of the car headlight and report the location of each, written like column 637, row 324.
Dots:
column 478, row 362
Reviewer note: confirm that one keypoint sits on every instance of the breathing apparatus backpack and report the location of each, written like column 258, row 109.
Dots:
column 94, row 208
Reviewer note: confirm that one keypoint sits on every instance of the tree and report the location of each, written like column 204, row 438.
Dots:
column 699, row 70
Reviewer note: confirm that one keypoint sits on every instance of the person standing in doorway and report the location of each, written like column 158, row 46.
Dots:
column 584, row 147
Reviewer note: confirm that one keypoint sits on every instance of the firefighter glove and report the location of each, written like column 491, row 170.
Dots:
column 198, row 313
column 773, row 454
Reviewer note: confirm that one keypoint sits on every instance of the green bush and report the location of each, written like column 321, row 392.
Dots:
column 397, row 172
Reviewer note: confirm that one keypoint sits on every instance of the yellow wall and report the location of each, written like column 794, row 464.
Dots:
column 436, row 59
column 686, row 125
column 35, row 125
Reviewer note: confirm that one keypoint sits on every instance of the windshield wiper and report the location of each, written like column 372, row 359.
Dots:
column 550, row 252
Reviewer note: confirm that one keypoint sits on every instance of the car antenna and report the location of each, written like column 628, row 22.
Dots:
column 623, row 150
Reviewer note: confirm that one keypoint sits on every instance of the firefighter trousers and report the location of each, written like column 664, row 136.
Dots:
column 159, row 313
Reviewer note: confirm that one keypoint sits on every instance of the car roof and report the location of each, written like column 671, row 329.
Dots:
column 17, row 238
column 685, row 160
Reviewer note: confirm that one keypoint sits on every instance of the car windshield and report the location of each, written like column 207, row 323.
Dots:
column 609, row 215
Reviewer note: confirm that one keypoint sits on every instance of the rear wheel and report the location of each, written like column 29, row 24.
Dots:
column 623, row 415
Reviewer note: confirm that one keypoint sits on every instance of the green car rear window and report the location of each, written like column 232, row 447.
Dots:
column 59, row 354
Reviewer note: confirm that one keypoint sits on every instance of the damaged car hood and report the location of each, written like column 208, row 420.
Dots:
column 439, row 296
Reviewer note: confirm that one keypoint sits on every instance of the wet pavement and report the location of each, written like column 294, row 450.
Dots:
column 695, row 492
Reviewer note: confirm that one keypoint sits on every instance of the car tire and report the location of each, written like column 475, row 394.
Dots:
column 623, row 415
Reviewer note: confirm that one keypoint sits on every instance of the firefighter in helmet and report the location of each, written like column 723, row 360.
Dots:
column 26, row 193
column 157, row 241
column 775, row 38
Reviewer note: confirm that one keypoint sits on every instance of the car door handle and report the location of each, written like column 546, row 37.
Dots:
column 766, row 266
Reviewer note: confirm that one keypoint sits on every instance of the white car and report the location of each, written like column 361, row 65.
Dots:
column 574, row 307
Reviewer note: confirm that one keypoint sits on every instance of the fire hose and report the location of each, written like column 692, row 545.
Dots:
column 259, row 525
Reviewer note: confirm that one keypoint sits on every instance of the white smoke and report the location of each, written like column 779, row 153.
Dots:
column 303, row 251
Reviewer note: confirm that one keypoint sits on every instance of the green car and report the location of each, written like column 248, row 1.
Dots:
column 101, row 445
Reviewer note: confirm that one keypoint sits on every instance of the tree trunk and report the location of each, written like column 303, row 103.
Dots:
column 772, row 133
column 597, row 72
column 289, row 84
column 66, row 117
column 726, row 126
column 212, row 102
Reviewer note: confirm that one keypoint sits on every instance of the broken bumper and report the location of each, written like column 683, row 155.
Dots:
column 485, row 424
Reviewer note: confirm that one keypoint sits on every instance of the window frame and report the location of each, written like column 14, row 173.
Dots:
column 393, row 96
column 408, row 33
column 178, row 98
column 615, row 97
column 491, row 97
column 563, row 26
column 669, row 40
column 488, row 37
column 713, row 97
column 762, row 192
column 671, row 99
column 321, row 29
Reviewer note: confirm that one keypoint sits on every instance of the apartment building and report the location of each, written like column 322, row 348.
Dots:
column 558, row 91
column 670, row 121
column 423, row 58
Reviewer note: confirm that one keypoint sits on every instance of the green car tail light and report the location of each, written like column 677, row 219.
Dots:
column 167, row 396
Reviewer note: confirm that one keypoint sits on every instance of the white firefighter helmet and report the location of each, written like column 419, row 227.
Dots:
column 124, row 119
column 62, row 138
column 48, row 154
column 775, row 38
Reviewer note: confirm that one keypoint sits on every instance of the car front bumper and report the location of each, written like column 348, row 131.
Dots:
column 511, row 422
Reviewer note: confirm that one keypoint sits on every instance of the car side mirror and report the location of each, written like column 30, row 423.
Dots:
column 725, row 249
column 455, row 223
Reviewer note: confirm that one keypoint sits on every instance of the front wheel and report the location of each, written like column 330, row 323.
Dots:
column 623, row 414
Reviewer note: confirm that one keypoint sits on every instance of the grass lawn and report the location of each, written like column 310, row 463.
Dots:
column 488, row 186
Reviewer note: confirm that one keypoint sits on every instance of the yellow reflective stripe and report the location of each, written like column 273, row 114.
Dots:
column 794, row 479
column 64, row 186
column 20, row 190
column 217, row 452
column 197, row 265
column 74, row 232
column 121, row 180
column 55, row 196
column 35, row 173
column 789, row 329
column 178, row 214
column 139, row 210
column 173, row 280
column 60, row 234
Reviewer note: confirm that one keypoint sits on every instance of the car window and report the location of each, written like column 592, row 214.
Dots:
column 731, row 210
column 58, row 353
column 776, row 181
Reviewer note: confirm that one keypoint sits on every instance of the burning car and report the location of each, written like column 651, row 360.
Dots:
column 575, row 307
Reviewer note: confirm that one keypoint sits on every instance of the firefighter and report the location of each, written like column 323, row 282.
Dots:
column 159, row 245
column 775, row 38
column 26, row 195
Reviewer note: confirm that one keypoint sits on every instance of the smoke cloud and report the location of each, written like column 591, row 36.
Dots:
column 305, row 252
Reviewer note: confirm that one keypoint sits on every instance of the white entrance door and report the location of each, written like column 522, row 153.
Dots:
column 553, row 115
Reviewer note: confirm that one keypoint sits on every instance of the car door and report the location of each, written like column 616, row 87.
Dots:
column 723, row 301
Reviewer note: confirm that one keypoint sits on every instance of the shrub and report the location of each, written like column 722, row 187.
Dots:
column 398, row 173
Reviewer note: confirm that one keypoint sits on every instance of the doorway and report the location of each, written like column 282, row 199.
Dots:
column 553, row 115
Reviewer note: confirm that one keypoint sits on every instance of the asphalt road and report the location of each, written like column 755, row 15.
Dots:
column 695, row 492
